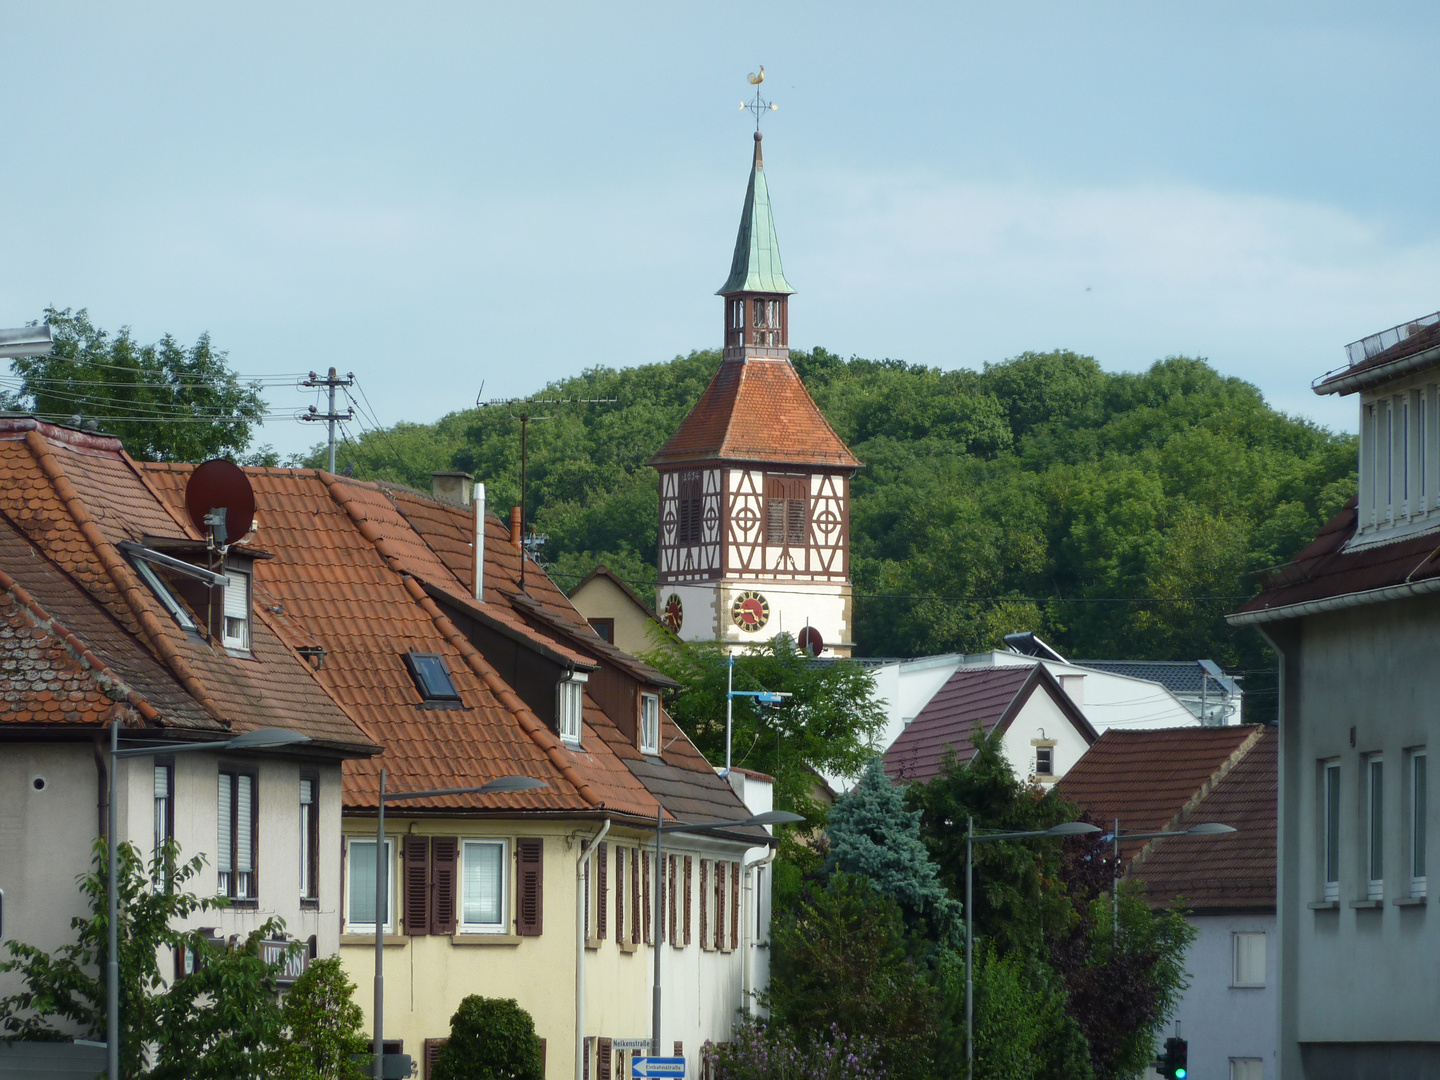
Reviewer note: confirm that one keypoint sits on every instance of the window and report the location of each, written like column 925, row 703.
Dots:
column 649, row 724
column 239, row 816
column 1419, row 807
column 236, row 631
column 1375, row 827
column 432, row 677
column 360, row 887
column 482, row 887
column 605, row 628
column 1331, row 831
column 688, row 508
column 309, row 838
column 785, row 510
column 164, row 803
column 163, row 594
column 1247, row 958
column 1044, row 761
column 571, row 705
column 1247, row 1069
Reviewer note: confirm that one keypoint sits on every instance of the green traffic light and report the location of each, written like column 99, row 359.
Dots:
column 1180, row 1074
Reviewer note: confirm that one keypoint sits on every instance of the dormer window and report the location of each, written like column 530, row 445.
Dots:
column 162, row 592
column 649, row 724
column 235, row 632
column 432, row 677
column 570, row 706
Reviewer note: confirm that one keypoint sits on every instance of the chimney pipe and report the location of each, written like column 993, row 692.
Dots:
column 480, row 542
column 515, row 526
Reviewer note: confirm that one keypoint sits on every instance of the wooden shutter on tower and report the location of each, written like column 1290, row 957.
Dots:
column 530, row 888
column 647, row 896
column 687, row 899
column 704, row 904
column 635, row 898
column 602, row 892
column 734, row 905
column 432, row 1056
column 417, row 885
column 444, row 880
column 602, row 1058
column 619, row 894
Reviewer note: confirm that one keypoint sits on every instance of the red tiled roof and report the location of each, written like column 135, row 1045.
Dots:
column 1323, row 570
column 756, row 410
column 987, row 696
column 1235, row 870
column 1146, row 778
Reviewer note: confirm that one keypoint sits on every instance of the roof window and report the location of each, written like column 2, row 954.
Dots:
column 162, row 593
column 432, row 677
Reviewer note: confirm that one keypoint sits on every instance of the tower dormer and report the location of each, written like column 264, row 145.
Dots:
column 757, row 318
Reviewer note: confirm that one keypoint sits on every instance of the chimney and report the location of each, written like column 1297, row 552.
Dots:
column 452, row 487
column 1074, row 687
column 515, row 525
column 480, row 542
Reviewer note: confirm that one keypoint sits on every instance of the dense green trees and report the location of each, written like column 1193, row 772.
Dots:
column 1119, row 515
column 490, row 1039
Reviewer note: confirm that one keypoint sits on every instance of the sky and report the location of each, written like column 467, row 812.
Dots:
column 465, row 200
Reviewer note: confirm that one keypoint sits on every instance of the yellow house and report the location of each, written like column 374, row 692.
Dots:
column 614, row 610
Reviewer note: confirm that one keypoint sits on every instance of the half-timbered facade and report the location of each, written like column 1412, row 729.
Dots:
column 755, row 484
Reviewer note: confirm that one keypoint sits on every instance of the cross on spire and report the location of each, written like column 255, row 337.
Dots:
column 759, row 106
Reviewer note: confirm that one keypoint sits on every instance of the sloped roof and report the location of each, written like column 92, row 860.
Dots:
column 987, row 696
column 1323, row 569
column 1146, row 778
column 76, row 496
column 756, row 410
column 1373, row 369
column 603, row 571
column 1177, row 676
column 1232, row 871
column 755, row 266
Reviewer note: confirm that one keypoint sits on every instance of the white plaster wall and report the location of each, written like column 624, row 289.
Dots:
column 707, row 611
column 1041, row 718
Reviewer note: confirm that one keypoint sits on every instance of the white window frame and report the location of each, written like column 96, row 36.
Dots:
column 369, row 927
column 1242, row 941
column 1374, row 827
column 164, row 595
column 241, row 642
column 570, row 706
column 649, row 723
column 475, row 843
column 1048, row 751
column 1418, row 796
column 1331, row 804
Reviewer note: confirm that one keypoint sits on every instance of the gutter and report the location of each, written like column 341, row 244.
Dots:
column 1348, row 384
column 752, row 907
column 590, row 848
column 1336, row 603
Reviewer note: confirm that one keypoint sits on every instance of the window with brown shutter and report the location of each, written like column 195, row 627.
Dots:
column 602, row 1050
column 647, row 896
column 635, row 898
column 602, row 894
column 786, row 508
column 719, row 905
column 670, row 926
column 734, row 905
column 530, row 886
column 432, row 1056
column 417, row 885
column 689, row 517
column 679, row 1048
column 444, row 879
column 619, row 895
column 704, row 904
column 687, row 899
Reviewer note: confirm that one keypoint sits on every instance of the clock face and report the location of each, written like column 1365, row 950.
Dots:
column 751, row 611
column 674, row 614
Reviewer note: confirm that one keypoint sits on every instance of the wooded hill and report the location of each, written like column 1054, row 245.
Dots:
column 1118, row 515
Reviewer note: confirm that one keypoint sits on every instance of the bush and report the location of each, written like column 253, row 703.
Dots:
column 324, row 1026
column 769, row 1052
column 490, row 1039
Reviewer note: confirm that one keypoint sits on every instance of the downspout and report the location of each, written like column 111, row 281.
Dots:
column 102, row 781
column 752, row 906
column 580, row 898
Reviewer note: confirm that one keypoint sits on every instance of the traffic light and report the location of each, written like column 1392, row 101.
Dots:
column 1174, row 1063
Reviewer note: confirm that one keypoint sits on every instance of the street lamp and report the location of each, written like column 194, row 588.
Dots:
column 259, row 739
column 1205, row 828
column 770, row 817
column 1068, row 828
column 504, row 783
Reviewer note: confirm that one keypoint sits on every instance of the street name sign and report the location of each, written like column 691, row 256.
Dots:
column 630, row 1044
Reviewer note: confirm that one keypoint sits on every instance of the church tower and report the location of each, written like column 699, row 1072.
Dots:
column 755, row 484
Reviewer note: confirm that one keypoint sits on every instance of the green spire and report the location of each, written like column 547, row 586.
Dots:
column 756, row 265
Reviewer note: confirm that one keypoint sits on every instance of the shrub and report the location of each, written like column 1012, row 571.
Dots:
column 324, row 1026
column 770, row 1052
column 490, row 1039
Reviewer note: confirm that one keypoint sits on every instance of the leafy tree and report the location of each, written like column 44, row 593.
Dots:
column 324, row 1026
column 164, row 401
column 1022, row 1027
column 490, row 1039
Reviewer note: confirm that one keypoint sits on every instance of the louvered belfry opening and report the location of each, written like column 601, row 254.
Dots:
column 786, row 510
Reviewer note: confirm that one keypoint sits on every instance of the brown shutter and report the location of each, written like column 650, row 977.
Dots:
column 432, row 1056
column 635, row 897
column 619, row 895
column 602, row 1058
column 444, row 882
column 585, row 1058
column 719, row 905
column 530, row 860
column 417, row 885
column 734, row 905
column 687, row 899
column 704, row 904
column 647, row 896
column 602, row 896
column 679, row 1048
column 670, row 926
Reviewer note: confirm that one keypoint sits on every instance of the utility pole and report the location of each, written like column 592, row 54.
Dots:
column 331, row 381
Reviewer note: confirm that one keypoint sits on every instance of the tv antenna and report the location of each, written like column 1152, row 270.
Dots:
column 522, row 409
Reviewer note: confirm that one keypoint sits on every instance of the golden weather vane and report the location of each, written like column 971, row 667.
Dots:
column 759, row 106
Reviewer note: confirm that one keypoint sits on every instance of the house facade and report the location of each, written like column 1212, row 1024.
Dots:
column 615, row 611
column 1352, row 619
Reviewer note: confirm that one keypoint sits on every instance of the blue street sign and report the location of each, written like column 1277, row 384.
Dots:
column 657, row 1066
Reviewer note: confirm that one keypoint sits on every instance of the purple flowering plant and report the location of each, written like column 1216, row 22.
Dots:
column 769, row 1052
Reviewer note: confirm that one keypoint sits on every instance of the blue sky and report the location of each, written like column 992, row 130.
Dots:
column 440, row 195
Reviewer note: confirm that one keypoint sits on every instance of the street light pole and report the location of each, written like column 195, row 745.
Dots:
column 1206, row 828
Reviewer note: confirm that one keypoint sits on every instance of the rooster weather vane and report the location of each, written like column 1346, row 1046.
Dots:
column 759, row 106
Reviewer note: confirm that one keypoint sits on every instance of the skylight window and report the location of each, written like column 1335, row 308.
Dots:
column 163, row 594
column 432, row 677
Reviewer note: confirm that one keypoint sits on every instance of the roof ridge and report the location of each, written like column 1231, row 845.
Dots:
column 115, row 688
column 119, row 573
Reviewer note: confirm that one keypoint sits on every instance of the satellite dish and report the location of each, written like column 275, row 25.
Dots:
column 811, row 642
column 220, row 501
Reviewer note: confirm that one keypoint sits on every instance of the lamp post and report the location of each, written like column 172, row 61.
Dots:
column 1068, row 828
column 1207, row 828
column 770, row 817
column 259, row 739
column 504, row 783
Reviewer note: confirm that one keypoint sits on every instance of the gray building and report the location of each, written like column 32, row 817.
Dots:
column 1355, row 619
